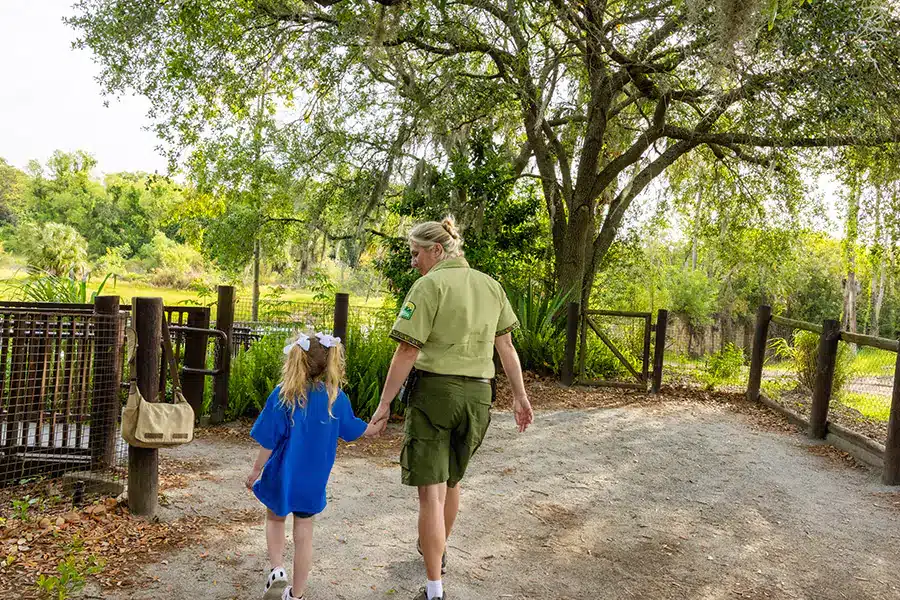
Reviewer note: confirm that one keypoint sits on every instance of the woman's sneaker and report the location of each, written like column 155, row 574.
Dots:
column 276, row 584
column 443, row 557
column 423, row 595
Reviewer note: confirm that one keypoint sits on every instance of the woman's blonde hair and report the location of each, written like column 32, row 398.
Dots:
column 427, row 235
column 304, row 368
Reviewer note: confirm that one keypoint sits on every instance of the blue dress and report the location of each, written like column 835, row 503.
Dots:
column 303, row 451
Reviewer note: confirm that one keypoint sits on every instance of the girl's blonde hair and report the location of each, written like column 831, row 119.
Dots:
column 427, row 235
column 304, row 368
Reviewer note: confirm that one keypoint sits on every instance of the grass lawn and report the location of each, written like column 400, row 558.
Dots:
column 869, row 405
column 171, row 296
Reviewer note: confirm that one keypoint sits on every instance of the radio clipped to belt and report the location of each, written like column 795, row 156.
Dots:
column 408, row 387
column 156, row 424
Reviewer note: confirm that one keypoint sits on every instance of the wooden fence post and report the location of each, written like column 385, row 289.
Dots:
column 828, row 348
column 224, row 322
column 891, row 473
column 758, row 354
column 143, row 463
column 341, row 315
column 195, row 345
column 107, row 369
column 573, row 314
column 659, row 351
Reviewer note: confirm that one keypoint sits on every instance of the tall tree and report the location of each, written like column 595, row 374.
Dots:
column 603, row 96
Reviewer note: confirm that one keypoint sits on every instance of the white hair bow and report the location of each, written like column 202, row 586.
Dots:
column 329, row 341
column 302, row 341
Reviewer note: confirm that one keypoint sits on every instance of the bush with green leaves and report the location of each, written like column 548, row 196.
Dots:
column 45, row 287
column 803, row 353
column 171, row 264
column 723, row 367
column 70, row 578
column 540, row 339
column 369, row 353
column 55, row 248
column 255, row 371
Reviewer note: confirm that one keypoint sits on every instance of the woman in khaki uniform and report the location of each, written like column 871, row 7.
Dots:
column 451, row 322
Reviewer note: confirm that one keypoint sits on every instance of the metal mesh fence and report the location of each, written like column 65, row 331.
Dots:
column 289, row 317
column 60, row 404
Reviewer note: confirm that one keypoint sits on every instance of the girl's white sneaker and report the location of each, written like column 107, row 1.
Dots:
column 286, row 595
column 276, row 584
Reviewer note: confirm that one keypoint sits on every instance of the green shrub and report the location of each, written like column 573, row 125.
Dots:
column 803, row 355
column 722, row 367
column 600, row 363
column 256, row 371
column 52, row 247
column 171, row 264
column 41, row 286
column 541, row 337
column 369, row 353
column 254, row 374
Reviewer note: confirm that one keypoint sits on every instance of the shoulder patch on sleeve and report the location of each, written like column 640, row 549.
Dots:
column 408, row 309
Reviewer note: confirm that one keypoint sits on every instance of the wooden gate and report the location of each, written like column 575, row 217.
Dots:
column 628, row 345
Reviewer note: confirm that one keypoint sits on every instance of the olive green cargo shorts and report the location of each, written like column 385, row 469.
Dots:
column 446, row 421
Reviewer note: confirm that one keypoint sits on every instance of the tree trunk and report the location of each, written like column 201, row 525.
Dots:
column 254, row 306
column 877, row 301
column 852, row 233
column 876, row 294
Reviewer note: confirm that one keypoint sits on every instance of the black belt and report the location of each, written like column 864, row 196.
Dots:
column 466, row 377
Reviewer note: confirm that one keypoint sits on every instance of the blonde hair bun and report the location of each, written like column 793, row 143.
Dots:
column 449, row 225
column 445, row 233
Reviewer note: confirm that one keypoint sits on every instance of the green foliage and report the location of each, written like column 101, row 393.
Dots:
column 540, row 339
column 52, row 247
column 693, row 296
column 21, row 506
column 170, row 263
column 868, row 405
column 803, row 355
column 369, row 353
column 322, row 287
column 504, row 232
column 723, row 367
column 70, row 579
column 600, row 362
column 45, row 287
column 255, row 372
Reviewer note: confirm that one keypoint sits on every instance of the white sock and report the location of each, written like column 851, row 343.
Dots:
column 434, row 589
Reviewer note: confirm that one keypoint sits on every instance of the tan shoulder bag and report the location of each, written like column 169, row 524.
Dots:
column 156, row 424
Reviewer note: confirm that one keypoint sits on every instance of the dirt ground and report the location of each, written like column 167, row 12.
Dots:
column 639, row 498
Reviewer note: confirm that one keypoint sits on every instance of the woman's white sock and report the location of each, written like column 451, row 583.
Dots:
column 434, row 589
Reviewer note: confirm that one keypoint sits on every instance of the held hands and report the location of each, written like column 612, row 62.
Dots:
column 379, row 420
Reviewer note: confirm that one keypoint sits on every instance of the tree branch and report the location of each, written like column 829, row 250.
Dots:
column 746, row 139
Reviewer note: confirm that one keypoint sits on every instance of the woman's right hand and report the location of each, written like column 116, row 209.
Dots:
column 523, row 411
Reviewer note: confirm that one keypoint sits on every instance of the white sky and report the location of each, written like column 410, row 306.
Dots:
column 49, row 99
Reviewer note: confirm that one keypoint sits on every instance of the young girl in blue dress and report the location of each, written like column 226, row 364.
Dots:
column 298, row 431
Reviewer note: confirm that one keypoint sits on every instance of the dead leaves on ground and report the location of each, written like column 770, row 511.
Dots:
column 104, row 530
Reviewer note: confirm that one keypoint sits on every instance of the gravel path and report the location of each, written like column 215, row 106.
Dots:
column 676, row 500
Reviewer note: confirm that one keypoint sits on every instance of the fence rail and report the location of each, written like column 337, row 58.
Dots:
column 817, row 424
